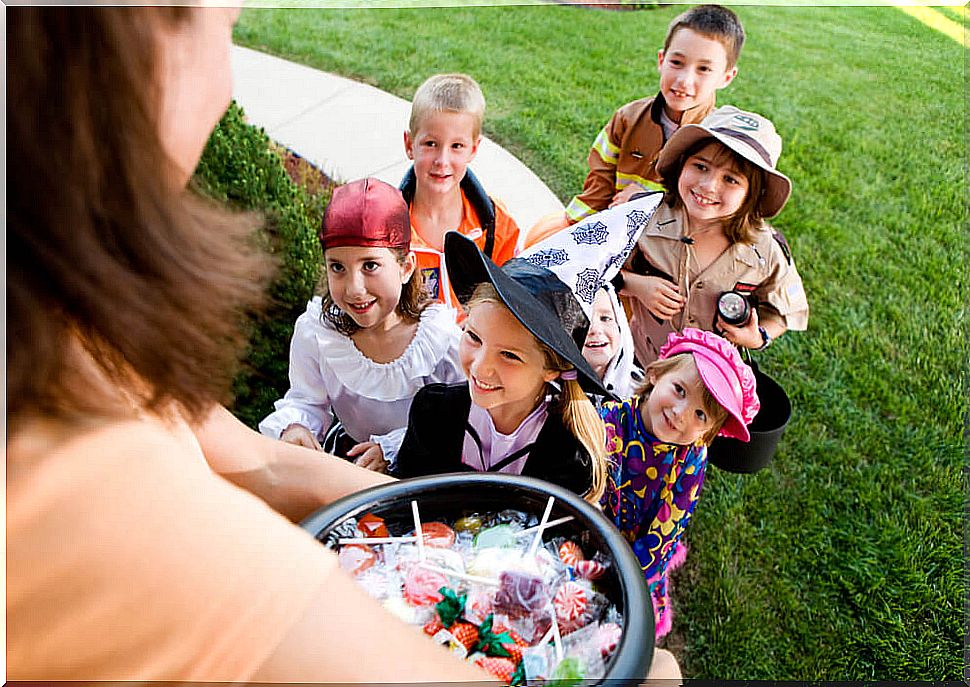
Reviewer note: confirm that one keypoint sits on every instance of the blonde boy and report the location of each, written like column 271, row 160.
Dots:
column 442, row 193
column 699, row 57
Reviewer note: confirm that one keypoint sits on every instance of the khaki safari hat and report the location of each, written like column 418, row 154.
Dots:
column 746, row 133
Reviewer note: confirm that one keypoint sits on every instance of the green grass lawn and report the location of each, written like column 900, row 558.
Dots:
column 844, row 560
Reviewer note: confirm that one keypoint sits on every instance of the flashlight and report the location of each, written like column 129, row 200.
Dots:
column 733, row 308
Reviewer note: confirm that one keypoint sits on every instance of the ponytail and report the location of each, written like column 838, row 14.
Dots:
column 581, row 419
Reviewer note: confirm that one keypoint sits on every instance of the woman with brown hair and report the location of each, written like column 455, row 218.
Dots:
column 132, row 551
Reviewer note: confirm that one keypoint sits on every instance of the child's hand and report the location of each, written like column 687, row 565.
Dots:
column 626, row 194
column 661, row 297
column 301, row 436
column 747, row 336
column 371, row 456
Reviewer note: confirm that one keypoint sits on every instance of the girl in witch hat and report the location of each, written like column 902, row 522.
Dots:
column 524, row 408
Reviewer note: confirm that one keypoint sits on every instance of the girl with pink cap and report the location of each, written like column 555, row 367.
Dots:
column 657, row 442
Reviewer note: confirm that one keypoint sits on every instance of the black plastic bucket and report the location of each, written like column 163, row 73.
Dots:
column 454, row 495
column 766, row 430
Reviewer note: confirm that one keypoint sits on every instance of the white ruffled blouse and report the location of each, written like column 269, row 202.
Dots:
column 330, row 376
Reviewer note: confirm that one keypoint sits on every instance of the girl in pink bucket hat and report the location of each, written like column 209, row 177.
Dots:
column 656, row 443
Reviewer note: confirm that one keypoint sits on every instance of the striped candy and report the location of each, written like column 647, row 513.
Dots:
column 570, row 601
column 570, row 553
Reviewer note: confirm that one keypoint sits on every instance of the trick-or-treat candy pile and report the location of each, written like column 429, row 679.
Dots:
column 485, row 586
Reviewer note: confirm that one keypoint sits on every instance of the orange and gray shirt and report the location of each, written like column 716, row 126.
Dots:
column 764, row 270
column 483, row 219
column 625, row 152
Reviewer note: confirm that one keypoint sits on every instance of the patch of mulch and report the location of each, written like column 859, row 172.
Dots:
column 305, row 174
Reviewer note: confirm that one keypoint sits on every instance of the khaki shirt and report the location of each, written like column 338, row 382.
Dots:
column 761, row 268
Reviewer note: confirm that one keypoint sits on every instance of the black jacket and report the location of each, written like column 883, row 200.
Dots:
column 436, row 432
column 475, row 192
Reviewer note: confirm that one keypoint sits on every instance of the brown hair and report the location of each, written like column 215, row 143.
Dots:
column 448, row 93
column 715, row 411
column 106, row 249
column 742, row 225
column 715, row 22
column 414, row 299
column 572, row 404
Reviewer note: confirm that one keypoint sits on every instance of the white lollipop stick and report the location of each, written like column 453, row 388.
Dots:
column 542, row 526
column 417, row 529
column 376, row 540
column 459, row 575
column 551, row 523
column 557, row 638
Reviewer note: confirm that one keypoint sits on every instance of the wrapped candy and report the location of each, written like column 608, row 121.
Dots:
column 520, row 593
column 356, row 558
column 370, row 525
column 521, row 607
column 570, row 553
column 421, row 586
column 438, row 535
column 570, row 601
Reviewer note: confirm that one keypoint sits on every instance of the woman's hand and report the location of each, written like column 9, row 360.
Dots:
column 659, row 296
column 301, row 436
column 371, row 456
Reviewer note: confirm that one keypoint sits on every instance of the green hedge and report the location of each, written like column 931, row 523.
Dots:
column 242, row 167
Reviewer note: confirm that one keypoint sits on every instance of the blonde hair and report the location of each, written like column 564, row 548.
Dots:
column 458, row 93
column 571, row 404
column 681, row 361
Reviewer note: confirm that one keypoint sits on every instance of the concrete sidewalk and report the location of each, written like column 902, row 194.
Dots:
column 351, row 130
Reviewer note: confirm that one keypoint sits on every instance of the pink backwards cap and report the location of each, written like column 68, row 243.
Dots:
column 730, row 381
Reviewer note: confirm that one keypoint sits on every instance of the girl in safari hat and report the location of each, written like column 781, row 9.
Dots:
column 709, row 236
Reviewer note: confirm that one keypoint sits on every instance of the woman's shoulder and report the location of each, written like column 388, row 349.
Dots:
column 125, row 507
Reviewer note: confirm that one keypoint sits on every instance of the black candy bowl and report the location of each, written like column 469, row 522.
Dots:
column 451, row 496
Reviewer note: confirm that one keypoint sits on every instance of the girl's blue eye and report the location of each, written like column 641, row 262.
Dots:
column 336, row 267
column 679, row 389
column 701, row 415
column 371, row 266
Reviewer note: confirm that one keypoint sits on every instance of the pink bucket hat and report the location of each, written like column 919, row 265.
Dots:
column 729, row 379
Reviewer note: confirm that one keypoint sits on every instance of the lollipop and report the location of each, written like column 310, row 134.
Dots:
column 421, row 586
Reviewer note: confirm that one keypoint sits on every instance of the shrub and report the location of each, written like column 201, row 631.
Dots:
column 243, row 168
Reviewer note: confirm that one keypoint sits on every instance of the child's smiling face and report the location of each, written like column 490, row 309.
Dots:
column 603, row 338
column 692, row 68
column 442, row 147
column 366, row 282
column 711, row 185
column 505, row 367
column 674, row 411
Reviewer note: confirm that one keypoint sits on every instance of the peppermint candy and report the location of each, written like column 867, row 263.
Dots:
column 570, row 601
